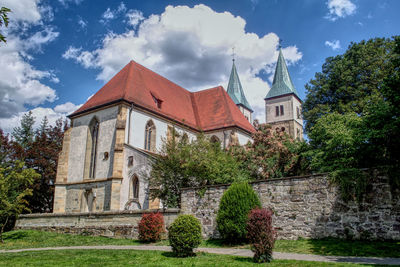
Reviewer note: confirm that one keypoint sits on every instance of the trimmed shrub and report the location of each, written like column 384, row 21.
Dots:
column 234, row 208
column 261, row 234
column 184, row 235
column 151, row 226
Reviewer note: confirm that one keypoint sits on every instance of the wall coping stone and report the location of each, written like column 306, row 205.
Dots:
column 303, row 177
column 89, row 181
column 103, row 213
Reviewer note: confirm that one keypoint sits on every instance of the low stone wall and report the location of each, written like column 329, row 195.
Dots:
column 309, row 207
column 111, row 224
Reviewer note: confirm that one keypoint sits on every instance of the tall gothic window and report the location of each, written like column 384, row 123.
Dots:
column 94, row 134
column 134, row 192
column 150, row 136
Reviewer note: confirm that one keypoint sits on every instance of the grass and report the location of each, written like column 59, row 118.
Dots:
column 136, row 258
column 332, row 247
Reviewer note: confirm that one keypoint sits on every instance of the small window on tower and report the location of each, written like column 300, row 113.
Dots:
column 282, row 113
column 298, row 113
column 277, row 111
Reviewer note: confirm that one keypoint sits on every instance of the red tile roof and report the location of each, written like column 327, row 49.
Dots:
column 205, row 110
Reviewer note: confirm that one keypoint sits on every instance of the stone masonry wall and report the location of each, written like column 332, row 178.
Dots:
column 309, row 207
column 123, row 224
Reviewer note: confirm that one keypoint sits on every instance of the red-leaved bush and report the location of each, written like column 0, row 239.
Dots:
column 261, row 234
column 151, row 226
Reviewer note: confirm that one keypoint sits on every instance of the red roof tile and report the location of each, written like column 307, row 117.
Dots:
column 204, row 110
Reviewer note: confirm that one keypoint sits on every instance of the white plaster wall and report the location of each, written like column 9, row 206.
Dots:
column 138, row 123
column 141, row 168
column 76, row 160
column 244, row 138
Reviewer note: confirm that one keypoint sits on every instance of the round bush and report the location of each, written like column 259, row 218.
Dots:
column 234, row 208
column 184, row 235
column 151, row 226
column 261, row 234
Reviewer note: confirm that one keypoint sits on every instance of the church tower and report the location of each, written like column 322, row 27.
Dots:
column 235, row 91
column 283, row 104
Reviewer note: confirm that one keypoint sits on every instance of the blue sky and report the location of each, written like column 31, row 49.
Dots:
column 61, row 52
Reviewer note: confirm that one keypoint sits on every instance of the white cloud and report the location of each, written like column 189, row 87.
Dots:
column 134, row 17
column 67, row 2
column 335, row 44
column 82, row 22
column 20, row 82
column 60, row 111
column 110, row 14
column 192, row 47
column 66, row 108
column 23, row 10
column 340, row 9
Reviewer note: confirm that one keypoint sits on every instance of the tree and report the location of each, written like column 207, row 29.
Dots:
column 348, row 82
column 39, row 150
column 3, row 20
column 14, row 188
column 24, row 134
column 191, row 164
column 272, row 154
column 353, row 116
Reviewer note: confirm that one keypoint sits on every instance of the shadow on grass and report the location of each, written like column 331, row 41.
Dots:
column 15, row 235
column 361, row 248
column 244, row 259
column 220, row 243
column 170, row 254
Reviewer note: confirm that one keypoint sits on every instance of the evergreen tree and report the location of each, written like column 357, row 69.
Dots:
column 24, row 134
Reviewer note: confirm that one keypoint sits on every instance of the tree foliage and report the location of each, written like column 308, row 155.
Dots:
column 348, row 82
column 15, row 182
column 272, row 154
column 353, row 116
column 39, row 149
column 4, row 21
column 191, row 164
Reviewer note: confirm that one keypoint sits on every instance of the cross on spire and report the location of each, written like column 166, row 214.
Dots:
column 233, row 54
column 280, row 43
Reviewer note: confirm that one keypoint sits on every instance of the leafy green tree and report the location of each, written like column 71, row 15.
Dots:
column 348, row 82
column 336, row 142
column 3, row 20
column 191, row 164
column 272, row 154
column 353, row 116
column 15, row 184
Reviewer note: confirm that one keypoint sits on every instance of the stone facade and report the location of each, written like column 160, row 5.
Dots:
column 112, row 224
column 309, row 207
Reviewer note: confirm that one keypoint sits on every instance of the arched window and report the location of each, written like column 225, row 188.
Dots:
column 150, row 136
column 91, row 148
column 214, row 139
column 134, row 188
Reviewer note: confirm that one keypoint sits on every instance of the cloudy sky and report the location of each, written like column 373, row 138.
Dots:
column 60, row 52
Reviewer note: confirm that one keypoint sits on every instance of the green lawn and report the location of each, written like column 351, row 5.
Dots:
column 136, row 258
column 30, row 239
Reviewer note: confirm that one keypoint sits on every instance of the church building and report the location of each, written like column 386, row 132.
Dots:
column 105, row 162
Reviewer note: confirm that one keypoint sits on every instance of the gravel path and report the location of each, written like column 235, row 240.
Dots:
column 232, row 251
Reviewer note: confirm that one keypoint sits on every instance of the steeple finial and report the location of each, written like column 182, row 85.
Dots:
column 233, row 54
column 280, row 43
